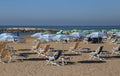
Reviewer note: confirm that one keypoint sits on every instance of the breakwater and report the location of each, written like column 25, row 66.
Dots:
column 32, row 30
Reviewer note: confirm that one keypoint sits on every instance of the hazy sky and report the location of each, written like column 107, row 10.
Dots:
column 82, row 12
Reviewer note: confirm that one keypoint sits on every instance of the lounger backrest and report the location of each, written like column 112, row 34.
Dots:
column 2, row 46
column 99, row 50
column 4, row 53
column 118, row 48
column 38, row 46
column 76, row 46
column 58, row 55
column 46, row 48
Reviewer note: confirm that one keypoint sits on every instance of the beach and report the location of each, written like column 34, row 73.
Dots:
column 79, row 65
column 59, row 37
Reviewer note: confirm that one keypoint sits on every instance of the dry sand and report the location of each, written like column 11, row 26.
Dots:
column 36, row 66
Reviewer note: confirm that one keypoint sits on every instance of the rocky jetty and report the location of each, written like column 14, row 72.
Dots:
column 28, row 30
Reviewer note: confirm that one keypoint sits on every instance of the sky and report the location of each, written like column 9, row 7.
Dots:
column 60, row 12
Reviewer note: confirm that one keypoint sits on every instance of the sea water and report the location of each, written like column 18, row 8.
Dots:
column 62, row 27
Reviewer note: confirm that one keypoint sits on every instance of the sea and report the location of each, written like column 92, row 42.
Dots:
column 65, row 27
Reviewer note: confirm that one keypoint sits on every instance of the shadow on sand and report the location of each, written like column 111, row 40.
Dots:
column 35, row 59
column 91, row 61
column 115, row 56
column 24, row 49
column 27, row 53
column 68, row 63
column 110, row 57
column 72, row 54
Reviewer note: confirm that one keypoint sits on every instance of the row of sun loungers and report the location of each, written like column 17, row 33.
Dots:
column 53, row 55
column 77, row 50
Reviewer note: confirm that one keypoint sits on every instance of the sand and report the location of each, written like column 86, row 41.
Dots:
column 36, row 66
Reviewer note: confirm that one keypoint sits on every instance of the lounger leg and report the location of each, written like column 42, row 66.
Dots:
column 99, row 57
column 9, row 59
column 91, row 57
column 63, row 61
column 1, row 61
column 54, row 62
column 113, row 51
column 47, row 62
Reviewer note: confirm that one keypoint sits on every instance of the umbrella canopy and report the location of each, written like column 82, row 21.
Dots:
column 77, row 34
column 60, row 32
column 114, row 30
column 97, row 34
column 74, row 30
column 60, row 37
column 47, row 36
column 4, row 34
column 10, row 38
column 117, row 33
column 37, row 34
column 86, row 31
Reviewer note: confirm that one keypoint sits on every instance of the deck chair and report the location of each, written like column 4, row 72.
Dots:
column 114, row 40
column 36, row 47
column 44, row 50
column 52, row 59
column 5, row 54
column 97, row 53
column 3, row 45
column 13, row 55
column 116, row 50
column 75, row 48
column 57, row 55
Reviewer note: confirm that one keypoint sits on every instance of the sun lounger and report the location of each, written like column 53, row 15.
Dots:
column 4, row 54
column 116, row 50
column 114, row 40
column 2, row 46
column 96, row 54
column 9, row 53
column 57, row 55
column 43, row 51
column 75, row 48
column 118, row 42
column 36, row 47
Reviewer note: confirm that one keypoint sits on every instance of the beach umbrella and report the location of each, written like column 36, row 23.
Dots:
column 86, row 31
column 117, row 33
column 63, row 37
column 97, row 34
column 93, row 31
column 37, row 34
column 114, row 30
column 77, row 34
column 74, row 30
column 60, row 32
column 80, row 30
column 89, row 31
column 47, row 32
column 5, row 34
column 10, row 38
column 47, row 36
column 66, row 32
column 60, row 36
column 103, row 30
